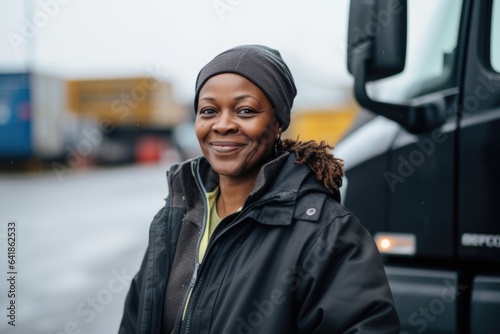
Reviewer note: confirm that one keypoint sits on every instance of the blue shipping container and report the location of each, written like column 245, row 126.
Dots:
column 15, row 116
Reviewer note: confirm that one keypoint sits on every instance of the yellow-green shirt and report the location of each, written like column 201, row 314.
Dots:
column 212, row 222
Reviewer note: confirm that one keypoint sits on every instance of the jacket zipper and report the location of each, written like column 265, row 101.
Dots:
column 192, row 283
column 211, row 253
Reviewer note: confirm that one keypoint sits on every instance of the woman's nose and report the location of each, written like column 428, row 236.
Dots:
column 225, row 123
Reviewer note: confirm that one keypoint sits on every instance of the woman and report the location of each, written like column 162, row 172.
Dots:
column 252, row 238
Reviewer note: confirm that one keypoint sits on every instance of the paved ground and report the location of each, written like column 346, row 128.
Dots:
column 79, row 241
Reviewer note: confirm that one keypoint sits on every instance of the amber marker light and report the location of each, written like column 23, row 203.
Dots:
column 396, row 243
column 385, row 243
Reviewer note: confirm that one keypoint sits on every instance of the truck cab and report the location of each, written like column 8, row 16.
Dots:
column 422, row 172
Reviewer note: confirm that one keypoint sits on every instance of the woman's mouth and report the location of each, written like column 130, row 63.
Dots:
column 225, row 146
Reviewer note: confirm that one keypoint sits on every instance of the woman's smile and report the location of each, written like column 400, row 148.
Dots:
column 236, row 126
column 226, row 146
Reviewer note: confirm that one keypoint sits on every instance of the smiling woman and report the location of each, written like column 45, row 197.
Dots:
column 252, row 238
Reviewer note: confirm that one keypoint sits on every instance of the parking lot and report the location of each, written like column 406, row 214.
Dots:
column 79, row 241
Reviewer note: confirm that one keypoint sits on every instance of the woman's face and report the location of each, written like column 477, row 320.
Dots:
column 235, row 125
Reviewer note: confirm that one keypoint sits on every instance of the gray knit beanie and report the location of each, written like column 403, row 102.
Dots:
column 264, row 67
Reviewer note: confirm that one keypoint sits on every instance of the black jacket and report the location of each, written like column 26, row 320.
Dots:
column 292, row 261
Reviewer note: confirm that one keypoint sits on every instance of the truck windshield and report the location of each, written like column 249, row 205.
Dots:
column 495, row 36
column 433, row 27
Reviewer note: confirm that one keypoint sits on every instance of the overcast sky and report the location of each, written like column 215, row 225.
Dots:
column 174, row 39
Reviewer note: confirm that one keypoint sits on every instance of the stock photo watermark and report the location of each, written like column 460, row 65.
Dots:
column 251, row 322
column 436, row 307
column 122, row 107
column 31, row 26
column 223, row 7
column 11, row 239
column 407, row 164
column 416, row 158
column 381, row 19
column 89, row 309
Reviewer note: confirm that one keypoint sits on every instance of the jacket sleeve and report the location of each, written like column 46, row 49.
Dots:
column 343, row 287
column 133, row 308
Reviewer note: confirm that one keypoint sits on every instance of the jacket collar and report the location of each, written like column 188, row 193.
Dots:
column 273, row 201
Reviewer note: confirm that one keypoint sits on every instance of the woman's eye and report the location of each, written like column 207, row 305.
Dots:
column 245, row 111
column 207, row 112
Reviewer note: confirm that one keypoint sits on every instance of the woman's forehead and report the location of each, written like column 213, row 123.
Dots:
column 230, row 83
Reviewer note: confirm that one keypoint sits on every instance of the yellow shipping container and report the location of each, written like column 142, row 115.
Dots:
column 142, row 101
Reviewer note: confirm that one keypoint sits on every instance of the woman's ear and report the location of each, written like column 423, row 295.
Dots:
column 277, row 124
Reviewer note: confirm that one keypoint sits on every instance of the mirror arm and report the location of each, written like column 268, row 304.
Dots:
column 415, row 119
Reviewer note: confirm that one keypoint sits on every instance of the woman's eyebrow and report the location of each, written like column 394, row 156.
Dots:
column 244, row 96
column 237, row 98
column 208, row 98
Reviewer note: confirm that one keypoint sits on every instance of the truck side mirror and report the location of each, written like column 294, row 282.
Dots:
column 376, row 50
column 378, row 28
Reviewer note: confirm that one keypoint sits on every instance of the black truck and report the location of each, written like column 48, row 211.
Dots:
column 423, row 163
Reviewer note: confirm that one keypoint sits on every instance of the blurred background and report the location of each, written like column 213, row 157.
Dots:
column 96, row 103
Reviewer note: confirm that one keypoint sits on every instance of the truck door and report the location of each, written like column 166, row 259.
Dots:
column 421, row 173
column 419, row 178
column 479, row 167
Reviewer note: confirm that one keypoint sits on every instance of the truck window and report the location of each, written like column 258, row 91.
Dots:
column 495, row 36
column 433, row 27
